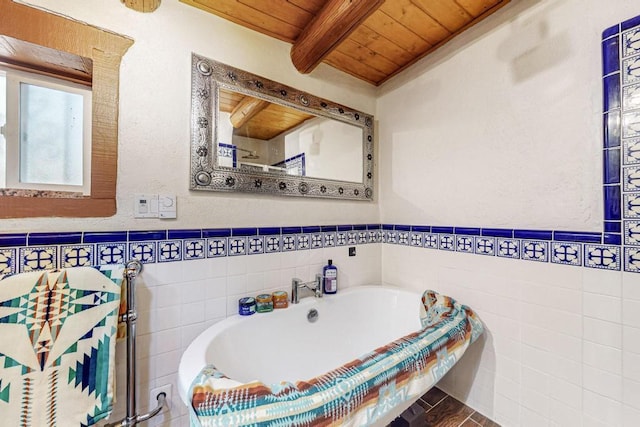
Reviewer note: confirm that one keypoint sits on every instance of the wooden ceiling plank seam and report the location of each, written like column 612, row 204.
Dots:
column 354, row 68
column 385, row 25
column 246, row 18
column 281, row 10
column 379, row 43
column 413, row 18
column 311, row 6
column 331, row 26
column 476, row 7
column 437, row 12
column 481, row 17
column 367, row 56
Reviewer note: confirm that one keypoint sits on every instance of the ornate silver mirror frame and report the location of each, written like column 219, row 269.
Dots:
column 208, row 77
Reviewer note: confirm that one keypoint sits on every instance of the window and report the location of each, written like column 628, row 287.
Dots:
column 52, row 46
column 46, row 128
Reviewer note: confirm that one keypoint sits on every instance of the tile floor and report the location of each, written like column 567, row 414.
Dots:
column 442, row 410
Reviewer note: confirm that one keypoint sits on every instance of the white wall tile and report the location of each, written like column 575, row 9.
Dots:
column 631, row 365
column 167, row 318
column 630, row 416
column 569, row 394
column 167, row 295
column 602, row 382
column 631, row 313
column 631, row 393
column 603, row 357
column 602, row 282
column 631, row 339
column 192, row 313
column 216, row 287
column 631, row 286
column 602, row 332
column 602, row 307
column 602, row 409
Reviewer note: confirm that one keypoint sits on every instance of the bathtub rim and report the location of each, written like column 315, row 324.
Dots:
column 193, row 358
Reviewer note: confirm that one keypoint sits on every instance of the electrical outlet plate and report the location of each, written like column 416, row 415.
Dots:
column 167, row 206
column 145, row 206
column 153, row 397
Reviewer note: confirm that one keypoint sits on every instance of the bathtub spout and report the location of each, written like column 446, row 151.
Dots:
column 315, row 286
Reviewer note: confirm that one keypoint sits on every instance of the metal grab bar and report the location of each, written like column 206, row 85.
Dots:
column 132, row 269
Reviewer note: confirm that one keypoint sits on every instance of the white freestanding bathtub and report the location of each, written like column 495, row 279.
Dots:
column 282, row 350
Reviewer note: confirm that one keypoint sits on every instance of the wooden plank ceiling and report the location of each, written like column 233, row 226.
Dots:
column 382, row 41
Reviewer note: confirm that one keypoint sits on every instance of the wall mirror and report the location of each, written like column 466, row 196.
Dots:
column 252, row 134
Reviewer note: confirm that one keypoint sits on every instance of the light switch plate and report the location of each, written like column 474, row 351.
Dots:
column 145, row 206
column 167, row 206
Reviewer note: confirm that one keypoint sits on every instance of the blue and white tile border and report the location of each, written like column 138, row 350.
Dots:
column 621, row 148
column 616, row 248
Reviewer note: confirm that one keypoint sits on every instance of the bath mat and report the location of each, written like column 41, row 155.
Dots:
column 57, row 351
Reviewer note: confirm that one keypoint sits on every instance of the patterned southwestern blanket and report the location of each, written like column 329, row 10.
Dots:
column 355, row 394
column 57, row 346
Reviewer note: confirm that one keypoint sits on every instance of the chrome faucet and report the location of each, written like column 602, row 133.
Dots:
column 315, row 286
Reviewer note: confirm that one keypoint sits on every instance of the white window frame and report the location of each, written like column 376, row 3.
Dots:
column 12, row 132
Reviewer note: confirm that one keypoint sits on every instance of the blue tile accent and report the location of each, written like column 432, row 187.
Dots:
column 244, row 232
column 602, row 257
column 416, row 239
column 631, row 203
column 421, row 228
column 328, row 228
column 632, row 233
column 372, row 227
column 631, row 180
column 111, row 253
column 442, row 230
column 36, row 239
column 316, row 240
column 610, row 56
column 631, row 151
column 611, row 31
column 447, row 242
column 485, row 246
column 288, row 242
column 272, row 243
column 464, row 244
column 577, row 236
column 468, row 231
column 362, row 237
column 533, row 234
column 316, row 229
column 497, row 232
column 403, row 237
column 193, row 249
column 76, row 256
column 7, row 262
column 387, row 226
column 611, row 97
column 611, row 166
column 216, row 232
column 104, row 236
column 509, row 248
column 268, row 231
column 169, row 250
column 431, row 241
column 185, row 234
column 303, row 242
column 217, row 247
column 291, row 230
column 612, row 227
column 632, row 260
column 611, row 127
column 402, row 227
column 236, row 246
column 630, row 23
column 255, row 245
column 535, row 250
column 631, row 124
column 329, row 239
column 359, row 227
column 144, row 251
column 142, row 236
column 37, row 258
column 612, row 202
column 612, row 239
column 17, row 239
column 566, row 253
column 345, row 227
column 630, row 67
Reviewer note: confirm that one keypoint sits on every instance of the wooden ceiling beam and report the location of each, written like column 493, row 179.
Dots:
column 246, row 109
column 332, row 25
column 145, row 6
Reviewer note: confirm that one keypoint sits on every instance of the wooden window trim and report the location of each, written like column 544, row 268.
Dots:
column 105, row 50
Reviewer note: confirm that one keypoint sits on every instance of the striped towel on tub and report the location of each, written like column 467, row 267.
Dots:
column 57, row 346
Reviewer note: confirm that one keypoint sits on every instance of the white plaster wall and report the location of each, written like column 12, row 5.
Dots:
column 502, row 128
column 155, row 82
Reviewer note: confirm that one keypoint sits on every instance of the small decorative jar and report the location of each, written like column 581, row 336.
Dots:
column 246, row 306
column 280, row 299
column 264, row 303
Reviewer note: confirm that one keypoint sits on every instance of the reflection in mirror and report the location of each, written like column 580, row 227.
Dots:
column 251, row 134
column 257, row 135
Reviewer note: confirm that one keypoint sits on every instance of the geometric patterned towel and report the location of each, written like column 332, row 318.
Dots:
column 359, row 393
column 57, row 346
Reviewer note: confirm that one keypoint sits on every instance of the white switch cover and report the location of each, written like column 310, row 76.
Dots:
column 167, row 206
column 145, row 206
